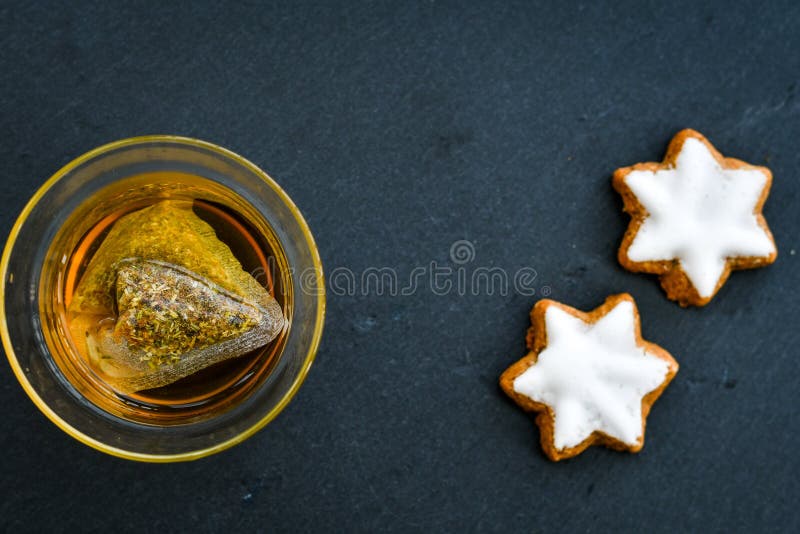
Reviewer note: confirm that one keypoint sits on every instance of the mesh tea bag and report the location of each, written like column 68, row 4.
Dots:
column 171, row 298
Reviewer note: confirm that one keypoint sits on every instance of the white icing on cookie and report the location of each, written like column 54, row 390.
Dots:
column 700, row 214
column 593, row 376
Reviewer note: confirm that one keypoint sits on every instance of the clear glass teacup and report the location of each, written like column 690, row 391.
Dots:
column 223, row 404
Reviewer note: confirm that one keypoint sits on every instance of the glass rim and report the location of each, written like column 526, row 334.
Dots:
column 116, row 451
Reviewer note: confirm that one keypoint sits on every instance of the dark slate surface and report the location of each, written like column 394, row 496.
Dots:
column 399, row 128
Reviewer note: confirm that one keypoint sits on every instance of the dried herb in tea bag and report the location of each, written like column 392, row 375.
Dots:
column 172, row 300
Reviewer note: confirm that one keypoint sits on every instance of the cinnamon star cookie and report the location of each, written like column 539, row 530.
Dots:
column 590, row 376
column 694, row 217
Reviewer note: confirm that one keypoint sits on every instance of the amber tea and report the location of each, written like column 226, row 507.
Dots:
column 172, row 303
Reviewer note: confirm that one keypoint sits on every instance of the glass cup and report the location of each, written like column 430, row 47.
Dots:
column 57, row 217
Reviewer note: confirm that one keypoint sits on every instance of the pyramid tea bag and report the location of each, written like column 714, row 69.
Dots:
column 166, row 298
column 172, row 323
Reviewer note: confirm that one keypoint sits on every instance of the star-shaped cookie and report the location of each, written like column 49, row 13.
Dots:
column 694, row 217
column 590, row 376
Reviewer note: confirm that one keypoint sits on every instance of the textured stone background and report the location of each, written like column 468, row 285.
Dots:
column 399, row 128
